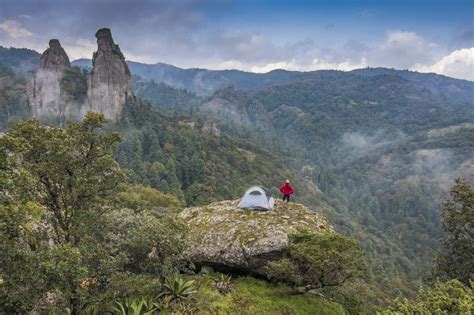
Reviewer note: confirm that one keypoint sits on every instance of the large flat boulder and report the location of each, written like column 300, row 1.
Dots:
column 222, row 236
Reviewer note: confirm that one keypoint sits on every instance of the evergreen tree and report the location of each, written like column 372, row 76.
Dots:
column 456, row 259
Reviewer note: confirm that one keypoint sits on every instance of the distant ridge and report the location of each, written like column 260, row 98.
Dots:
column 205, row 82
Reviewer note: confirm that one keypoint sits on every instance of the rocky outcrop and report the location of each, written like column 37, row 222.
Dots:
column 222, row 236
column 46, row 97
column 109, row 83
column 211, row 127
column 238, row 107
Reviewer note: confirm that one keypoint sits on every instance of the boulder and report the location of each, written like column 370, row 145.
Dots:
column 227, row 238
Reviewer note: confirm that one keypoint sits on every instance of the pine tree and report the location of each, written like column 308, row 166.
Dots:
column 456, row 259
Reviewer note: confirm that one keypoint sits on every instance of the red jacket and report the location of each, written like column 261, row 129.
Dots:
column 287, row 189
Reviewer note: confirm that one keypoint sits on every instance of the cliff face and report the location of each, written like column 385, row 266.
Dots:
column 109, row 83
column 238, row 107
column 46, row 97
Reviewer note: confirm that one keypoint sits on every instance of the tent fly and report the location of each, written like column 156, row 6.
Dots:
column 256, row 198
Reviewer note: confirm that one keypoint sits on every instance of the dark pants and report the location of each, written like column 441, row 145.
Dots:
column 286, row 197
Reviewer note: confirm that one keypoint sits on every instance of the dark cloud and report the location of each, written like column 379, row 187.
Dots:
column 212, row 33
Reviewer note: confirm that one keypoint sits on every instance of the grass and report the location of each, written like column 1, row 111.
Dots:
column 254, row 296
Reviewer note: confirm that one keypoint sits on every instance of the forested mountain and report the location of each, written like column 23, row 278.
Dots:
column 383, row 146
column 377, row 147
column 205, row 82
column 22, row 60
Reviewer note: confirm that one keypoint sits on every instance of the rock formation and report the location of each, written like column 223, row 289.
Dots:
column 46, row 97
column 109, row 83
column 239, row 108
column 223, row 236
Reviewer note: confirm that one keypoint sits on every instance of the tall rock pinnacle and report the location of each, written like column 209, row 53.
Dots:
column 109, row 83
column 45, row 96
column 54, row 58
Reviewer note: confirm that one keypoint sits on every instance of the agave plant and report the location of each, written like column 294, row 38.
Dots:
column 223, row 283
column 136, row 307
column 177, row 287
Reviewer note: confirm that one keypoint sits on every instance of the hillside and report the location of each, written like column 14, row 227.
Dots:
column 205, row 82
column 374, row 149
column 401, row 136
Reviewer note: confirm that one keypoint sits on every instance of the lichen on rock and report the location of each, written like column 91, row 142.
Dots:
column 221, row 235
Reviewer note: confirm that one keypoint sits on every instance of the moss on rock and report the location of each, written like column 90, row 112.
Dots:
column 220, row 234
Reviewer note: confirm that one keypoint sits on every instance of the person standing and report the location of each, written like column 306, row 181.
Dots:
column 287, row 190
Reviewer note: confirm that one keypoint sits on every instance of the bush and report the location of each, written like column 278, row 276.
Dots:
column 450, row 297
column 318, row 260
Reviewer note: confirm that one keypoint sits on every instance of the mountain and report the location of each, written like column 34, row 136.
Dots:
column 22, row 60
column 379, row 146
column 239, row 108
column 201, row 81
column 382, row 148
column 205, row 82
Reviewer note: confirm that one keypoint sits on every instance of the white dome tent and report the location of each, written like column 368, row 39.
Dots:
column 257, row 198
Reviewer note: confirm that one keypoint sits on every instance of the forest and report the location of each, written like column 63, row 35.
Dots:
column 87, row 202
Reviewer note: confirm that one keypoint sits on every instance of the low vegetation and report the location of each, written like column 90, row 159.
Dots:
column 76, row 235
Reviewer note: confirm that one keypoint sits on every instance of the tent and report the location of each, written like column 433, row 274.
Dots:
column 256, row 198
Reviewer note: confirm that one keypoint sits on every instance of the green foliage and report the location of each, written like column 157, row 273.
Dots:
column 73, row 170
column 63, row 177
column 456, row 259
column 140, row 198
column 177, row 287
column 13, row 98
column 153, row 245
column 318, row 260
column 253, row 296
column 136, row 307
column 165, row 97
column 174, row 155
column 450, row 297
column 122, row 285
column 63, row 231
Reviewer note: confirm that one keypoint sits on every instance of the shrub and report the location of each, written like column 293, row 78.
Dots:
column 318, row 260
column 450, row 297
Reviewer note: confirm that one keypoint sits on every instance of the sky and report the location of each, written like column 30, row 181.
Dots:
column 256, row 35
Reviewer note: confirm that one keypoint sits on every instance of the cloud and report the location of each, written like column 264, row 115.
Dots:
column 457, row 64
column 287, row 65
column 402, row 49
column 77, row 48
column 14, row 29
column 198, row 33
column 344, row 65
column 234, row 44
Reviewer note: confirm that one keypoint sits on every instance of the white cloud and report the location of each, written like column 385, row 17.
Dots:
column 14, row 29
column 402, row 49
column 316, row 64
column 344, row 65
column 286, row 65
column 78, row 48
column 458, row 64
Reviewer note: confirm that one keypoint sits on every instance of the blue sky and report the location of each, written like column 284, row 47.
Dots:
column 259, row 35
